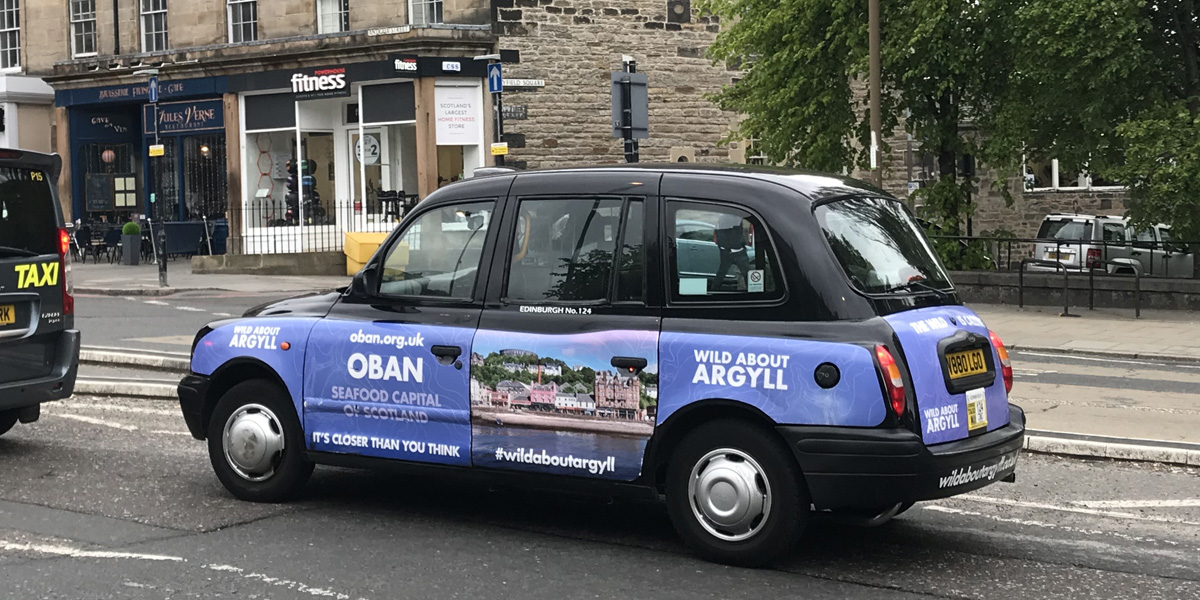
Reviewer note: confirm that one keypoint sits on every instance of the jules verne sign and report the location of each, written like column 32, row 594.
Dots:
column 184, row 117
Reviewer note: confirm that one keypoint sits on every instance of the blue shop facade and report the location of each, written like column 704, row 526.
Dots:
column 164, row 161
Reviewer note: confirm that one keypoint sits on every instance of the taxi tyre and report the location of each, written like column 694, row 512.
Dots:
column 7, row 420
column 784, row 520
column 291, row 468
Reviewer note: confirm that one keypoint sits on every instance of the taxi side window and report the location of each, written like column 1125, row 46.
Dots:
column 564, row 250
column 720, row 253
column 438, row 255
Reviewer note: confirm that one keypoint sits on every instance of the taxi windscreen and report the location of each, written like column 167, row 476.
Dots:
column 28, row 223
column 880, row 247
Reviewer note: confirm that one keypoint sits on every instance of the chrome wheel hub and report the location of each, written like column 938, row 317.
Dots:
column 253, row 442
column 730, row 494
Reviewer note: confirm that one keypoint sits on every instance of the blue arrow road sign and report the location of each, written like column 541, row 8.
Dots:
column 154, row 89
column 495, row 79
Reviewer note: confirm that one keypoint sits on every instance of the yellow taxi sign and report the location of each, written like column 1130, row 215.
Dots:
column 157, row 150
column 500, row 149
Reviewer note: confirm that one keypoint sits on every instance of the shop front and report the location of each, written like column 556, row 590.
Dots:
column 348, row 148
column 114, row 174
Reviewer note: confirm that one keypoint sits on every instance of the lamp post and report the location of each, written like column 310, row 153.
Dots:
column 498, row 107
column 875, row 92
column 157, row 242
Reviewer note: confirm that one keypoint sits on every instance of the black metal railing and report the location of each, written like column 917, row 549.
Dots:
column 276, row 226
column 1066, row 286
column 1174, row 259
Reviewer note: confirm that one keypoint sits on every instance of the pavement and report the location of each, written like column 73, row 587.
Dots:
column 142, row 280
column 110, row 498
column 1158, row 334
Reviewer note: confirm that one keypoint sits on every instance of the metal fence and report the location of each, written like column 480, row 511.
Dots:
column 278, row 226
column 1161, row 259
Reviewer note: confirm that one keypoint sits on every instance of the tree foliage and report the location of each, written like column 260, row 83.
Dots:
column 1110, row 86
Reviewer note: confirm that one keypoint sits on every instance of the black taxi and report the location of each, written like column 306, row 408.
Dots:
column 750, row 345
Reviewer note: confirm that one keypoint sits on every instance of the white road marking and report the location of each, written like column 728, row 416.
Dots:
column 1144, row 363
column 155, row 302
column 222, row 315
column 189, row 308
column 1075, row 509
column 165, row 432
column 1044, row 525
column 275, row 581
column 102, row 422
column 1188, row 503
column 162, row 412
column 1019, row 371
column 80, row 553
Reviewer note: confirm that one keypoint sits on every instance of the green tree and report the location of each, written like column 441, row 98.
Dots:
column 1113, row 87
column 939, row 57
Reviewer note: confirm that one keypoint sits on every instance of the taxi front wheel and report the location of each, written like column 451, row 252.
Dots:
column 255, row 443
column 735, row 494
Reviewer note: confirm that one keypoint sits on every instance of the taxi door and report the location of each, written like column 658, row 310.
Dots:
column 564, row 372
column 387, row 370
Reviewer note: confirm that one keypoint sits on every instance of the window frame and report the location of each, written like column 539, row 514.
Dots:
column 670, row 272
column 343, row 14
column 229, row 24
column 75, row 20
column 145, row 16
column 18, row 65
column 614, row 274
column 1056, row 175
column 485, row 263
column 413, row 4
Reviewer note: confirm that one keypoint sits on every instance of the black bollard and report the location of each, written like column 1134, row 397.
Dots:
column 162, row 256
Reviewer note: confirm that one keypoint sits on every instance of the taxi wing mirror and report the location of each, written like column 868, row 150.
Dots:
column 366, row 281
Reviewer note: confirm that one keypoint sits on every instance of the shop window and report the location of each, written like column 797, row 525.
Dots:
column 110, row 180
column 154, row 25
column 83, row 28
column 563, row 250
column 243, row 21
column 333, row 16
column 205, row 188
column 424, row 12
column 266, row 161
column 164, row 182
column 10, row 34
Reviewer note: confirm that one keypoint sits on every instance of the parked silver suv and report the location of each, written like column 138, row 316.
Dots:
column 1109, row 243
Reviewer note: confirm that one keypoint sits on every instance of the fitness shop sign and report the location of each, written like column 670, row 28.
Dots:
column 323, row 82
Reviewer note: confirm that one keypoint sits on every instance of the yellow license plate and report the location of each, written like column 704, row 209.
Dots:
column 8, row 314
column 1058, row 256
column 965, row 364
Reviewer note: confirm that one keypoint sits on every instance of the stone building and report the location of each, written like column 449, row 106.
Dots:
column 294, row 120
column 560, row 108
column 617, row 396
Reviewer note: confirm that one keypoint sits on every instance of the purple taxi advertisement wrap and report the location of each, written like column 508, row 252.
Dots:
column 258, row 339
column 774, row 375
column 943, row 415
column 555, row 404
column 378, row 390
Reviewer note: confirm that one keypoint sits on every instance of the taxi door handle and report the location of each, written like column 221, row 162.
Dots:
column 628, row 363
column 446, row 355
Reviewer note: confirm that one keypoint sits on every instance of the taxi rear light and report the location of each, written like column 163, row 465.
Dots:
column 11, row 154
column 893, row 384
column 64, row 257
column 1005, row 363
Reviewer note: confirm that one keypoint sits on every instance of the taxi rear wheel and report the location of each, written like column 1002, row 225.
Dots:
column 256, row 445
column 735, row 493
column 7, row 420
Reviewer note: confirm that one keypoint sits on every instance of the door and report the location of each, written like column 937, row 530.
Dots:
column 386, row 374
column 1177, row 261
column 565, row 363
column 371, row 157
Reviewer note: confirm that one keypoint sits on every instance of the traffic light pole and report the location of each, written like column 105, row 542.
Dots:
column 499, row 125
column 631, row 144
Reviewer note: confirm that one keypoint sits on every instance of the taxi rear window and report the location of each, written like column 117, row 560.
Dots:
column 28, row 222
column 880, row 247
